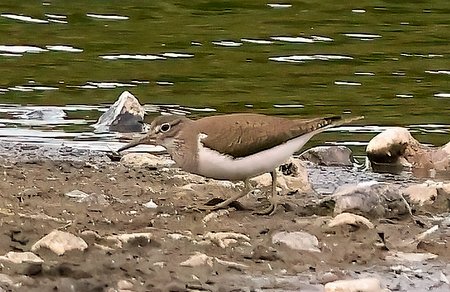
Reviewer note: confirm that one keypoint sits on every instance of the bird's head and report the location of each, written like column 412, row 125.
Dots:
column 164, row 130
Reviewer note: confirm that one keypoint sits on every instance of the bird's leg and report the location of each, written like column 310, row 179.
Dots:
column 273, row 197
column 228, row 201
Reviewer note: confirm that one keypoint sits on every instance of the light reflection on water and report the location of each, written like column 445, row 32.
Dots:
column 388, row 63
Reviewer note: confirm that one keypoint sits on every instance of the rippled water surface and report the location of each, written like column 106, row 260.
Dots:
column 386, row 60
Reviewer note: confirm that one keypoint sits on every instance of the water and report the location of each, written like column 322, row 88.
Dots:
column 386, row 61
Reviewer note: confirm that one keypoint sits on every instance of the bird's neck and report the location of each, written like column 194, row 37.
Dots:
column 184, row 152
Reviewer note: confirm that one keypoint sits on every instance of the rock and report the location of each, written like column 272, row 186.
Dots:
column 396, row 146
column 90, row 199
column 224, row 239
column 150, row 205
column 48, row 114
column 329, row 155
column 372, row 199
column 198, row 259
column 350, row 219
column 76, row 194
column 125, row 115
column 229, row 264
column 25, row 263
column 215, row 215
column 421, row 194
column 60, row 242
column 20, row 257
column 139, row 160
column 119, row 240
column 358, row 285
column 398, row 256
column 292, row 176
column 297, row 240
column 124, row 285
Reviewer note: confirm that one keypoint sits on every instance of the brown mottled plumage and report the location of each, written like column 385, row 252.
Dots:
column 234, row 146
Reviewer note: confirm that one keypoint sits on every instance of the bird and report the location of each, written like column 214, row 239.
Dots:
column 234, row 147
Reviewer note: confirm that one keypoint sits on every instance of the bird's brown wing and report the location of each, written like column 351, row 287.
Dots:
column 240, row 135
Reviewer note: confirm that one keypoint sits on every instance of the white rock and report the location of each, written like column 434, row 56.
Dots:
column 59, row 242
column 215, row 215
column 295, row 180
column 297, row 240
column 358, row 285
column 20, row 257
column 224, row 239
column 150, row 204
column 230, row 264
column 120, row 239
column 421, row 193
column 145, row 159
column 198, row 259
column 350, row 219
column 76, row 194
column 399, row 256
column 124, row 285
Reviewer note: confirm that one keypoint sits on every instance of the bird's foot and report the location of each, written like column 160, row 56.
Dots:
column 269, row 210
column 217, row 204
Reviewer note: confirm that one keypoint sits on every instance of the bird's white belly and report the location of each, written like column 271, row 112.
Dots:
column 215, row 165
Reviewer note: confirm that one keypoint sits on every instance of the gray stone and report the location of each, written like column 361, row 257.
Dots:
column 125, row 115
column 297, row 240
column 372, row 199
column 329, row 155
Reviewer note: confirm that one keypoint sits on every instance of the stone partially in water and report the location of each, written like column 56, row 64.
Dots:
column 125, row 115
column 396, row 146
column 329, row 155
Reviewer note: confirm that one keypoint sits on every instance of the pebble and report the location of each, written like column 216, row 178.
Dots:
column 20, row 257
column 120, row 239
column 350, row 219
column 399, row 256
column 198, row 259
column 329, row 155
column 140, row 160
column 224, row 239
column 297, row 240
column 150, row 205
column 59, row 242
column 358, row 285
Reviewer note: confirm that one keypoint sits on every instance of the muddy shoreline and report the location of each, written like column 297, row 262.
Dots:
column 36, row 180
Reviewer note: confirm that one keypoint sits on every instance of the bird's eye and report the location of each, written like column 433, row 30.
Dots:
column 164, row 127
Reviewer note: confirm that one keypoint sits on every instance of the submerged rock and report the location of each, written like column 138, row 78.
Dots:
column 396, row 146
column 329, row 155
column 125, row 115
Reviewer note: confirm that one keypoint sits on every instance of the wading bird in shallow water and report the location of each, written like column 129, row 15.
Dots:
column 234, row 147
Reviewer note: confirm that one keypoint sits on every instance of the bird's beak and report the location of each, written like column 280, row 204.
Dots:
column 148, row 138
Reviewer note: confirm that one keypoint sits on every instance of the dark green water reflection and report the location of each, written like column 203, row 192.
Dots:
column 387, row 60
